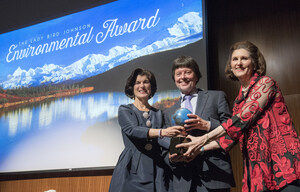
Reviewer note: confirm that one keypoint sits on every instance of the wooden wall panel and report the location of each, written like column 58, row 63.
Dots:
column 274, row 27
column 63, row 181
column 60, row 184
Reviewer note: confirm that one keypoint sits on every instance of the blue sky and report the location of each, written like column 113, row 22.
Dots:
column 124, row 10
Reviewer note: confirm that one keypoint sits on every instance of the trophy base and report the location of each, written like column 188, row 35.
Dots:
column 175, row 141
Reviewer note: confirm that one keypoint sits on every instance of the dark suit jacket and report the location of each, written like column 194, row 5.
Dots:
column 213, row 168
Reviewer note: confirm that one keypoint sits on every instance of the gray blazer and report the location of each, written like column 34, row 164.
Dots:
column 213, row 168
column 139, row 167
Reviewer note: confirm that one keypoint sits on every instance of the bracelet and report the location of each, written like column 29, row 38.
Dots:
column 159, row 134
column 202, row 150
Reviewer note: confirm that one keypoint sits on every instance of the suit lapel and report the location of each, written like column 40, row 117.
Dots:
column 201, row 102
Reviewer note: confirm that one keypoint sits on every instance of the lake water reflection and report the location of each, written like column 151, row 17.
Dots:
column 65, row 128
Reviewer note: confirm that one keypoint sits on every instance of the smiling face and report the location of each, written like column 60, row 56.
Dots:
column 242, row 66
column 142, row 87
column 185, row 79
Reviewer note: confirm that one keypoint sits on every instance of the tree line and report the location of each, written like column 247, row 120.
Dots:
column 36, row 91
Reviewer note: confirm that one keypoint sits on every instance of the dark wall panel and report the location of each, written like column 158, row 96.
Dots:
column 274, row 27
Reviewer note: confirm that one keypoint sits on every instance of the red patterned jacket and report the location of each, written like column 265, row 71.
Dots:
column 268, row 140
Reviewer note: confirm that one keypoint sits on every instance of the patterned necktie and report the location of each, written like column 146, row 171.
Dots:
column 188, row 103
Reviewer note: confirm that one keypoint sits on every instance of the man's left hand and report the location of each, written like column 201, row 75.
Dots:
column 196, row 122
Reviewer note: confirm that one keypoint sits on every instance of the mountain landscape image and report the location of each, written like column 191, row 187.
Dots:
column 187, row 30
column 159, row 63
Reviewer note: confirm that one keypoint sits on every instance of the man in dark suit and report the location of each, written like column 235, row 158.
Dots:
column 211, row 171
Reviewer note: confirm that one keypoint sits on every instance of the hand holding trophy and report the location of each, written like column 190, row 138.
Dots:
column 178, row 118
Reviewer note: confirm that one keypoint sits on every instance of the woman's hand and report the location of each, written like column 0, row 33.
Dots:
column 193, row 147
column 196, row 122
column 175, row 158
column 173, row 131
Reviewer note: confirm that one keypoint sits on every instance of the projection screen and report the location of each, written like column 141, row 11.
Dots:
column 62, row 81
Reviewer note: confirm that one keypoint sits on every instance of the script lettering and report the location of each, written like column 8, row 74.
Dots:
column 111, row 28
column 10, row 52
column 114, row 29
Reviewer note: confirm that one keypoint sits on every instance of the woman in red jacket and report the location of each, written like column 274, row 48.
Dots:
column 261, row 123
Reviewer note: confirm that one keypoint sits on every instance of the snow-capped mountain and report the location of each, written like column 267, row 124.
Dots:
column 94, row 64
column 188, row 24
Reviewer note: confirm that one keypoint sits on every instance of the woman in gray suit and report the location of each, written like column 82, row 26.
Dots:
column 141, row 165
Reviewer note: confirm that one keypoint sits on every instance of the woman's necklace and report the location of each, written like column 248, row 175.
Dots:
column 145, row 108
column 141, row 106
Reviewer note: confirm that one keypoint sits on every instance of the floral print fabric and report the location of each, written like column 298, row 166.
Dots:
column 268, row 140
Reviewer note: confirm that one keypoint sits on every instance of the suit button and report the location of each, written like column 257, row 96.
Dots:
column 148, row 146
